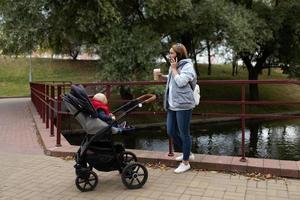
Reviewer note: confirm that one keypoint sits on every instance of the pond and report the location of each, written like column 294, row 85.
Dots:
column 275, row 140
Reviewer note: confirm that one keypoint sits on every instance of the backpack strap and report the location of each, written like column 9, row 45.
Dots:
column 191, row 86
column 182, row 64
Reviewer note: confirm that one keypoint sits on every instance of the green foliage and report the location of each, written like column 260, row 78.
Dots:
column 129, row 54
column 288, row 37
column 168, row 9
column 62, row 26
column 244, row 30
column 128, row 33
column 76, row 23
column 269, row 31
column 22, row 25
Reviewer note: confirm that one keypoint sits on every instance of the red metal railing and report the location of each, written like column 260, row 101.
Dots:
column 46, row 97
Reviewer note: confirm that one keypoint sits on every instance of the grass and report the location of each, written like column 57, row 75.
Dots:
column 14, row 73
column 14, row 81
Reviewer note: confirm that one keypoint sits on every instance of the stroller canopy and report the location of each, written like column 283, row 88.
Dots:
column 79, row 105
column 80, row 100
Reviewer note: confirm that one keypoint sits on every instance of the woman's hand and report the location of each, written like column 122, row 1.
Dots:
column 173, row 62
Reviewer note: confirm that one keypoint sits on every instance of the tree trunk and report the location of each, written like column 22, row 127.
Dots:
column 74, row 54
column 253, row 88
column 252, row 75
column 254, row 72
column 234, row 66
column 235, row 58
column 196, row 64
column 209, row 58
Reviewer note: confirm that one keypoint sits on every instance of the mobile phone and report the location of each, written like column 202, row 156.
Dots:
column 175, row 59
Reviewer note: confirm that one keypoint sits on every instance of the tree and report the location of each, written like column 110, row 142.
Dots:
column 206, row 23
column 62, row 26
column 172, row 20
column 198, row 24
column 75, row 23
column 270, row 29
column 288, row 52
column 129, row 53
column 22, row 26
column 128, row 33
column 168, row 19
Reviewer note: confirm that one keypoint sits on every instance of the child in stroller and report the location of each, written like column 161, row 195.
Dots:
column 98, row 150
column 100, row 103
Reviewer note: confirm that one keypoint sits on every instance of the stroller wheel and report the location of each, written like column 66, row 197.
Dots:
column 127, row 157
column 87, row 183
column 134, row 175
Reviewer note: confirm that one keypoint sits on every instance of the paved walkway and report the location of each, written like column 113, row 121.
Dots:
column 26, row 173
column 17, row 128
column 43, row 177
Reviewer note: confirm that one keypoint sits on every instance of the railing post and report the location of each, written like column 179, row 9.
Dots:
column 52, row 92
column 58, row 120
column 171, row 153
column 39, row 100
column 243, row 159
column 41, row 91
column 31, row 92
column 43, row 101
column 47, row 106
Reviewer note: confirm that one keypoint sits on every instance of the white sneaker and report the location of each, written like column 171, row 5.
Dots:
column 179, row 158
column 182, row 168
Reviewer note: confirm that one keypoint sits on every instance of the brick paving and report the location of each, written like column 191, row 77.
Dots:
column 17, row 128
column 26, row 173
column 30, row 177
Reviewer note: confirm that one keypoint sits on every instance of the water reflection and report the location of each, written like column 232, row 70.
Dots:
column 262, row 140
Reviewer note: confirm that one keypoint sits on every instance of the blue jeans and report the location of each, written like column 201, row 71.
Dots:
column 178, row 128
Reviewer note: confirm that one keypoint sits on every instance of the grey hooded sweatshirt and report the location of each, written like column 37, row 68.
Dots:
column 179, row 88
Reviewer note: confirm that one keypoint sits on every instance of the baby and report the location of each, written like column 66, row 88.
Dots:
column 99, row 102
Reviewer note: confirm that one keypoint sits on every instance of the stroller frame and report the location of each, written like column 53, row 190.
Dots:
column 98, row 151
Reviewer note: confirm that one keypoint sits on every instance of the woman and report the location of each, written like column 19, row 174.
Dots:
column 179, row 102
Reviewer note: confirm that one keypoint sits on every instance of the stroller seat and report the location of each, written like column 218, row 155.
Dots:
column 89, row 124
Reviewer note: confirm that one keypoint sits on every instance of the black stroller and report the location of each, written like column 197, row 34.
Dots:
column 98, row 150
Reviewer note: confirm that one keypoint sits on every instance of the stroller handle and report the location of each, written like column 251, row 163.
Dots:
column 147, row 98
column 133, row 104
